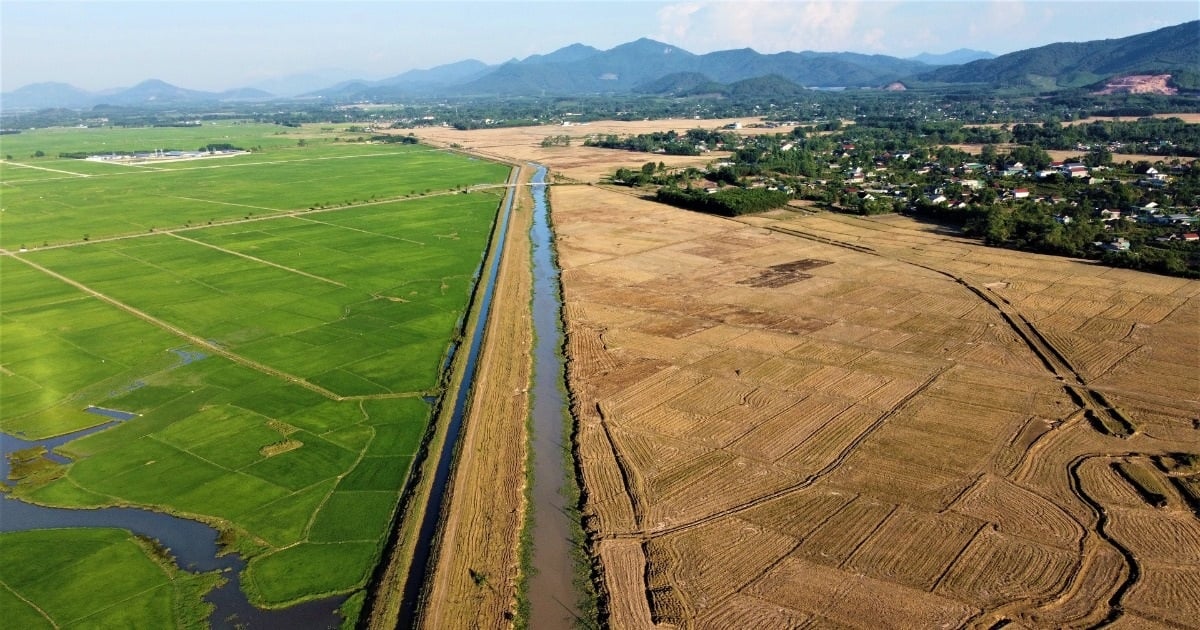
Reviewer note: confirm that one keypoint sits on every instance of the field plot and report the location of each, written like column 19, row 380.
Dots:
column 273, row 367
column 912, row 437
column 44, row 571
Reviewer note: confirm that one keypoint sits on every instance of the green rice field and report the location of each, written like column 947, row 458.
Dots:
column 45, row 570
column 275, row 320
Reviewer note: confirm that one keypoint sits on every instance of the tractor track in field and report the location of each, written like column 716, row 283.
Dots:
column 1104, row 416
column 277, row 214
column 209, row 345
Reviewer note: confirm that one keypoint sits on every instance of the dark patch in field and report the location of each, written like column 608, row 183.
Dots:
column 785, row 273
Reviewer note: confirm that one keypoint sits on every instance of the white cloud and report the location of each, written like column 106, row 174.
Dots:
column 824, row 25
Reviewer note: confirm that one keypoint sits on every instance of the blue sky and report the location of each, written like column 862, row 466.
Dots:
column 220, row 44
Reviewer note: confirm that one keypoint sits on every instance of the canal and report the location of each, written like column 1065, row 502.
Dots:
column 552, row 594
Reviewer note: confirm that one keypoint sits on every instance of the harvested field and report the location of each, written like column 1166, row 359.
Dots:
column 890, row 385
column 1168, row 593
column 897, row 435
column 997, row 569
column 856, row 601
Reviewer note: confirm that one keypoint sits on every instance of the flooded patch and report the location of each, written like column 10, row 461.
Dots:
column 115, row 414
column 785, row 273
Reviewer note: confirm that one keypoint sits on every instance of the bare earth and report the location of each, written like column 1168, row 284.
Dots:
column 811, row 419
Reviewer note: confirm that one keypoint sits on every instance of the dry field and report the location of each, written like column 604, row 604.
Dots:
column 1055, row 154
column 577, row 162
column 818, row 419
column 1190, row 118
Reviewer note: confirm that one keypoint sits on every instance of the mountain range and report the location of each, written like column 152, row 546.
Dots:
column 646, row 66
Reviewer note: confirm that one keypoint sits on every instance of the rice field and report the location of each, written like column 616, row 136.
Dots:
column 274, row 323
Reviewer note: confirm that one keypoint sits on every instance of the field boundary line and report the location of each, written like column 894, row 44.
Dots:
column 844, row 564
column 1053, row 359
column 43, row 168
column 937, row 583
column 298, row 213
column 636, row 503
column 807, row 482
column 223, row 203
column 1101, row 518
column 194, row 339
column 31, row 604
column 346, row 227
column 258, row 260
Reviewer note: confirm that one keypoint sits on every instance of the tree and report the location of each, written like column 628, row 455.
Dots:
column 988, row 155
column 1099, row 156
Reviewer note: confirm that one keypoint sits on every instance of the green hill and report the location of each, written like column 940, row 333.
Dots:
column 1173, row 50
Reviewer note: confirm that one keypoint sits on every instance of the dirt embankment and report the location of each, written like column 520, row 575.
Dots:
column 478, row 561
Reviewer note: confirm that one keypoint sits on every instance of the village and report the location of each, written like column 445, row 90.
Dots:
column 1134, row 210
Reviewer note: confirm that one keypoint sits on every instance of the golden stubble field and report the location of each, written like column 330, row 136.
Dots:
column 577, row 162
column 811, row 419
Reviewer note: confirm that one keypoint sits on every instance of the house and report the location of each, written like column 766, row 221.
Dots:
column 1075, row 170
column 1191, row 236
column 1020, row 193
column 1110, row 215
column 1119, row 245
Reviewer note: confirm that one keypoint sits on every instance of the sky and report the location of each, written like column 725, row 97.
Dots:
column 223, row 44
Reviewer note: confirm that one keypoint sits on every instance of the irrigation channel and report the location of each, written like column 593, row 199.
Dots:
column 552, row 596
column 419, row 569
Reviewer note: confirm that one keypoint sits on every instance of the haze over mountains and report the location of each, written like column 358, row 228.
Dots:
column 646, row 66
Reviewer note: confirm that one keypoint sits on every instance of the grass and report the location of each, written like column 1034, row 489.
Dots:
column 129, row 585
column 361, row 298
column 52, row 208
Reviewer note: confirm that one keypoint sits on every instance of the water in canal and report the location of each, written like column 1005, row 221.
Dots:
column 552, row 595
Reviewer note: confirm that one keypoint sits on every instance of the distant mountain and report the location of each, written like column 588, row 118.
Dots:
column 681, row 84
column 156, row 91
column 770, row 87
column 1173, row 50
column 566, row 54
column 647, row 66
column 447, row 74
column 953, row 58
column 41, row 95
column 296, row 84
column 244, row 94
column 637, row 64
column 151, row 92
